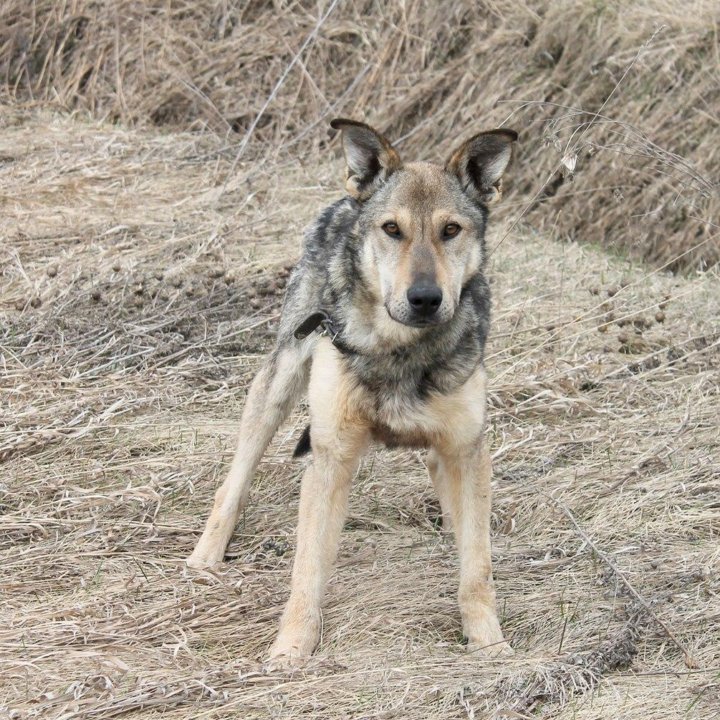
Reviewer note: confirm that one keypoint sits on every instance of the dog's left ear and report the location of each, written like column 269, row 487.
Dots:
column 370, row 159
column 480, row 162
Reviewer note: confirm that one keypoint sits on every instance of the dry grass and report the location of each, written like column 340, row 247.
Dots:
column 621, row 98
column 139, row 292
column 141, row 275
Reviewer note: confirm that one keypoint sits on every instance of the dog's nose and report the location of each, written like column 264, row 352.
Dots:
column 424, row 299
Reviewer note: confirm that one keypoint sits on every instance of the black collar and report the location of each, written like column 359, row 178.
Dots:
column 322, row 319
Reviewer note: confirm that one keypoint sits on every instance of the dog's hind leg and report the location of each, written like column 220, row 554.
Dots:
column 273, row 394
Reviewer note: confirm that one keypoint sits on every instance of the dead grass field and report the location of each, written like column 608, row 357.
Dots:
column 617, row 102
column 139, row 292
column 141, row 275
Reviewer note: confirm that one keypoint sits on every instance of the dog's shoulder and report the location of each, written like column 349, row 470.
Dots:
column 335, row 222
column 324, row 242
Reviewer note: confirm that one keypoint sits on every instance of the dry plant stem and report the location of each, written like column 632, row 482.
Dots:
column 689, row 660
column 273, row 93
column 550, row 686
column 575, row 146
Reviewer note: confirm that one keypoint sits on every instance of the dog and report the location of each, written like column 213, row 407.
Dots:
column 384, row 322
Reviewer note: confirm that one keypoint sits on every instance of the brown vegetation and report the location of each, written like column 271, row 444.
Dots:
column 621, row 98
column 138, row 295
column 141, row 272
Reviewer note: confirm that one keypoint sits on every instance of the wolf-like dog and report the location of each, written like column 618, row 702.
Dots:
column 384, row 322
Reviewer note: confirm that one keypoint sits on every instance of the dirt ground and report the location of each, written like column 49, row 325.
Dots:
column 139, row 292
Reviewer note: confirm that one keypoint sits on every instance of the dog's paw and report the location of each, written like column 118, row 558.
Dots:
column 485, row 636
column 295, row 643
column 500, row 649
column 289, row 655
column 201, row 560
column 279, row 662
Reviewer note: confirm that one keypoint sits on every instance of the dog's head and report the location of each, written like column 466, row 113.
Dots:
column 422, row 225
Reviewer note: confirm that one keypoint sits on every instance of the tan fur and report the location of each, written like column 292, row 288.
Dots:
column 462, row 477
column 347, row 409
column 422, row 251
column 339, row 436
column 261, row 417
column 343, row 418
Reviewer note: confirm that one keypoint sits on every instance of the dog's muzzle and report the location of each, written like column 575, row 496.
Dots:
column 424, row 299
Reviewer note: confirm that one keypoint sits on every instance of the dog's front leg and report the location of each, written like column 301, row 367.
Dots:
column 338, row 438
column 323, row 508
column 465, row 475
column 273, row 393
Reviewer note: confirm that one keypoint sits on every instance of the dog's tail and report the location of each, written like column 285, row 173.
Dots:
column 303, row 447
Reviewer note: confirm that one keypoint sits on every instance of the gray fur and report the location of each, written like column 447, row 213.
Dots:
column 439, row 359
column 394, row 274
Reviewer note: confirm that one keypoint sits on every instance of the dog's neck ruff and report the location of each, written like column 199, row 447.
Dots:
column 322, row 320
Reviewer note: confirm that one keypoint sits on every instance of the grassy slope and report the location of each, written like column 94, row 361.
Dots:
column 130, row 327
column 616, row 102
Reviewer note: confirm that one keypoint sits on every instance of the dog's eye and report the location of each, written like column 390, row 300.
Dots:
column 391, row 229
column 451, row 230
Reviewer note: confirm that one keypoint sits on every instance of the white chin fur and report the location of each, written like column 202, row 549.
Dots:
column 378, row 331
column 391, row 329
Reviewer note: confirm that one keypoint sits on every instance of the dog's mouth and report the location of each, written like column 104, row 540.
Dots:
column 416, row 322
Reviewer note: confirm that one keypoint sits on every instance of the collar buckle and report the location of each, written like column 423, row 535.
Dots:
column 320, row 320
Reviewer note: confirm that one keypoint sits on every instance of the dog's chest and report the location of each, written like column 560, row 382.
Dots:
column 407, row 406
column 404, row 424
column 399, row 385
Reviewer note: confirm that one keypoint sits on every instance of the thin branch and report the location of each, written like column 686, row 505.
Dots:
column 689, row 660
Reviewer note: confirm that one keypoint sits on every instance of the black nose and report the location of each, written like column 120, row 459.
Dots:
column 424, row 299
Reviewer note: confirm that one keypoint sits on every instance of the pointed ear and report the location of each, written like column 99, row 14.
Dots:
column 480, row 163
column 370, row 159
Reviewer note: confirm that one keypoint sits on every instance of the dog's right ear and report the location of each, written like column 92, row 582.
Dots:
column 370, row 159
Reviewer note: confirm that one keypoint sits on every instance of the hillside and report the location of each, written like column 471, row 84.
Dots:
column 616, row 102
column 158, row 163
column 139, row 292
